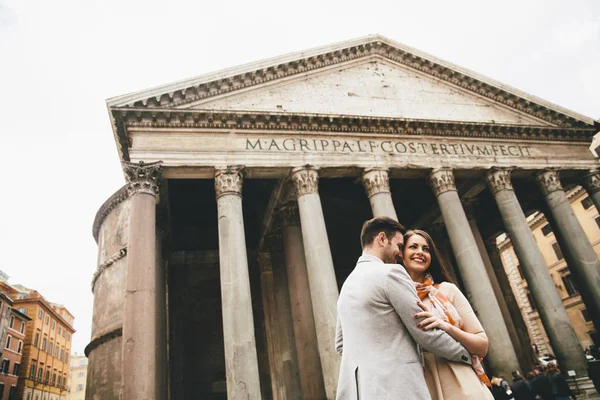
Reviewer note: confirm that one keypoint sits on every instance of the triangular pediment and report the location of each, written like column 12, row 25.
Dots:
column 371, row 87
column 371, row 76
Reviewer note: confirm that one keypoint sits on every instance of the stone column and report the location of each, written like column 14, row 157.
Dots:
column 580, row 255
column 143, row 345
column 307, row 350
column 501, row 355
column 377, row 185
column 550, row 307
column 267, row 289
column 241, row 362
column 522, row 344
column 321, row 274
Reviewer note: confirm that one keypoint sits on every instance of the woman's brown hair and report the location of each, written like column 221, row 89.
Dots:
column 438, row 268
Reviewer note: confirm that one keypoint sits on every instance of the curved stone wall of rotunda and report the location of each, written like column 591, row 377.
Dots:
column 104, row 352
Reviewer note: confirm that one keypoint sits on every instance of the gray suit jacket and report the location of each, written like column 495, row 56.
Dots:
column 376, row 334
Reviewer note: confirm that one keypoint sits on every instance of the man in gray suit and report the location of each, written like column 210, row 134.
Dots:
column 376, row 327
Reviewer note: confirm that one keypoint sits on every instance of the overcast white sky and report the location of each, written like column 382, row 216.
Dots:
column 60, row 60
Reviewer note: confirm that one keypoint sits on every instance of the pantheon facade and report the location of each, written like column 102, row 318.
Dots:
column 221, row 258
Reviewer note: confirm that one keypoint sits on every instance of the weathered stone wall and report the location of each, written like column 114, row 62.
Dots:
column 108, row 285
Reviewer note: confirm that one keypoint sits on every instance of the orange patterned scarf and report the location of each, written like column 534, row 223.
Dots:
column 443, row 308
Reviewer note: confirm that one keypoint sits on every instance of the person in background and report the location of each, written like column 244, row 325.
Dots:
column 560, row 387
column 498, row 391
column 540, row 385
column 520, row 388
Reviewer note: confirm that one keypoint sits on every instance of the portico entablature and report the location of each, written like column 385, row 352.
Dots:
column 195, row 154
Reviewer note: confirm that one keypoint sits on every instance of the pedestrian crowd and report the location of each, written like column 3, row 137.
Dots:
column 542, row 384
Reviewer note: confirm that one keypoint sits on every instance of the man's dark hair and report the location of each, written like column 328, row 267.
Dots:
column 372, row 227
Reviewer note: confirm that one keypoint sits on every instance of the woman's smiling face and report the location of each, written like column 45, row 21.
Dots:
column 417, row 257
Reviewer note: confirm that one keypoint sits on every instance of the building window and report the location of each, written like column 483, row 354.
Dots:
column 68, row 337
column 546, row 229
column 59, row 330
column 62, row 354
column 569, row 283
column 40, row 374
column 37, row 339
column 67, row 356
column 557, row 251
column 587, row 203
column 47, row 376
column 22, row 327
column 19, row 346
column 32, row 372
column 531, row 301
column 44, row 344
column 12, row 322
column 54, row 378
column 8, row 340
column 5, row 366
column 47, row 320
column 80, row 374
column 56, row 355
column 586, row 315
column 41, row 314
column 79, row 387
column 53, row 324
column 64, row 333
column 16, row 369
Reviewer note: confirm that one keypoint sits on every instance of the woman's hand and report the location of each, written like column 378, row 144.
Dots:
column 431, row 321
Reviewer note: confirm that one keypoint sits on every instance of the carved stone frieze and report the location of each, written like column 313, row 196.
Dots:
column 290, row 215
column 591, row 181
column 306, row 180
column 499, row 179
column 376, row 180
column 229, row 181
column 142, row 177
column 106, row 264
column 549, row 181
column 442, row 180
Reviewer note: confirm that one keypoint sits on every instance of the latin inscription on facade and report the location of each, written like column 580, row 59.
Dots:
column 386, row 147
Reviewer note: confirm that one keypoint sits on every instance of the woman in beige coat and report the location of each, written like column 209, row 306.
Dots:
column 446, row 308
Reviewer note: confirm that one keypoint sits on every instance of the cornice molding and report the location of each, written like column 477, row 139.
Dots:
column 113, row 201
column 377, row 46
column 106, row 264
column 118, row 332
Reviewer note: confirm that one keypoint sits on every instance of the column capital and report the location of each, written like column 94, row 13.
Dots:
column 498, row 179
column 376, row 180
column 306, row 180
column 142, row 177
column 549, row 181
column 229, row 180
column 591, row 181
column 442, row 180
column 290, row 215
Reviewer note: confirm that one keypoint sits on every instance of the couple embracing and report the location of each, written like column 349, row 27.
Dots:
column 404, row 331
